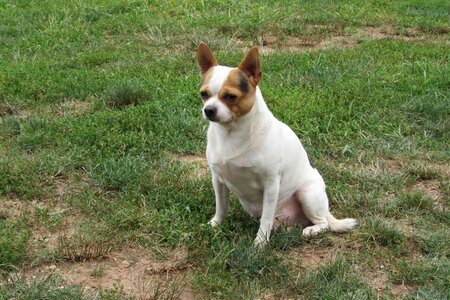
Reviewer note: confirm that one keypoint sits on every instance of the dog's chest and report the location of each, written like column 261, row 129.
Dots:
column 241, row 176
column 237, row 174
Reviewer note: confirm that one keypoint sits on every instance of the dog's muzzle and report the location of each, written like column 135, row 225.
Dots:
column 210, row 112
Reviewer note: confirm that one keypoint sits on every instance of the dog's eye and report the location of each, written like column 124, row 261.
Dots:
column 230, row 97
column 204, row 94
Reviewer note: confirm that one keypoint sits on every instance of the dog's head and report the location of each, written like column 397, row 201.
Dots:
column 227, row 93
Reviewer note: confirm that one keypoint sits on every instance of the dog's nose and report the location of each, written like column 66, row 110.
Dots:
column 210, row 111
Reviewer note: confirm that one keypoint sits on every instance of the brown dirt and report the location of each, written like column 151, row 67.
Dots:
column 12, row 208
column 56, row 205
column 67, row 108
column 309, row 257
column 74, row 107
column 431, row 188
column 271, row 43
column 400, row 290
column 380, row 282
column 389, row 32
column 198, row 164
column 440, row 167
column 137, row 271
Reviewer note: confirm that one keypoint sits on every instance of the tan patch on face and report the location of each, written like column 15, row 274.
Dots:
column 238, row 84
column 204, row 86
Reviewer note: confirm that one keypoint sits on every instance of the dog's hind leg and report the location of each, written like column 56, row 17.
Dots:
column 314, row 203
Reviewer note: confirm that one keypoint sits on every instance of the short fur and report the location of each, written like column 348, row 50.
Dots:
column 256, row 156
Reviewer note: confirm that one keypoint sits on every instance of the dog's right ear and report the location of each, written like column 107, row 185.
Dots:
column 206, row 59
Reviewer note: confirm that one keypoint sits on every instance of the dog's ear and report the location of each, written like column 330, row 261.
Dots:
column 206, row 59
column 250, row 65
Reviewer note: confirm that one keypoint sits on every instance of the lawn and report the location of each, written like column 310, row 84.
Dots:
column 104, row 188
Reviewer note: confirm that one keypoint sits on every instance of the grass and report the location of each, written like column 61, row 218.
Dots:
column 99, row 113
column 48, row 288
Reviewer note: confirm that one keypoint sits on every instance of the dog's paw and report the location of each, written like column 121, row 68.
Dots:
column 214, row 222
column 315, row 229
column 260, row 242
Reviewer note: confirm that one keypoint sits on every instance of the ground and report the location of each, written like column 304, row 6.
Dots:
column 104, row 188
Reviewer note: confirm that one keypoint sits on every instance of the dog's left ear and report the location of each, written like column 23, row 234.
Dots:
column 250, row 65
column 206, row 59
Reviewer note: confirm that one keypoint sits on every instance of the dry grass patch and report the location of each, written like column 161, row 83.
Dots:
column 400, row 290
column 134, row 270
column 197, row 163
column 74, row 107
column 377, row 279
column 380, row 282
column 270, row 43
column 68, row 108
column 310, row 258
column 389, row 32
column 81, row 247
column 13, row 208
column 54, row 218
column 430, row 188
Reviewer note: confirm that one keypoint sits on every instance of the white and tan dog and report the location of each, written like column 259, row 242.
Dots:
column 256, row 156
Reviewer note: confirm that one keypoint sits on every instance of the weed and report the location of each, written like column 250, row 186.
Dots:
column 89, row 243
column 97, row 271
column 125, row 94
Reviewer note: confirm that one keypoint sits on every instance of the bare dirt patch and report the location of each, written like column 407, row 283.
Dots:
column 135, row 270
column 62, row 220
column 400, row 290
column 12, row 208
column 379, row 280
column 198, row 164
column 271, row 42
column 440, row 167
column 74, row 107
column 431, row 188
column 310, row 258
column 65, row 186
column 70, row 107
column 389, row 32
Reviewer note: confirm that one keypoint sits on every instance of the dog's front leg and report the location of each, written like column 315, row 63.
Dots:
column 270, row 199
column 222, row 201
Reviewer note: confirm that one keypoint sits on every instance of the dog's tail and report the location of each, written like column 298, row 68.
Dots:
column 343, row 225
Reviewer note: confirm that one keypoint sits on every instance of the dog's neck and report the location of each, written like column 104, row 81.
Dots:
column 244, row 127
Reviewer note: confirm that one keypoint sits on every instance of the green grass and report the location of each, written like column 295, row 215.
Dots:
column 99, row 99
column 48, row 288
column 13, row 243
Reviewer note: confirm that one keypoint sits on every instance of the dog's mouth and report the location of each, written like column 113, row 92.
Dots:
column 213, row 119
column 222, row 122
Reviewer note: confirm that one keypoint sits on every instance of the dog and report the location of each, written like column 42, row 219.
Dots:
column 256, row 156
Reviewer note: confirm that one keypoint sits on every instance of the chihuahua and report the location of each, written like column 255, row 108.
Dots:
column 256, row 156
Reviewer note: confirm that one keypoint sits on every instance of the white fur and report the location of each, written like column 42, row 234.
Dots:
column 262, row 161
